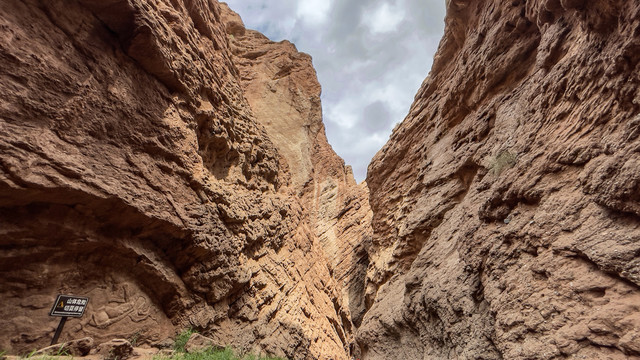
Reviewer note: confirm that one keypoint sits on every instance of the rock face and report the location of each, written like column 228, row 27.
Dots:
column 282, row 88
column 172, row 165
column 141, row 166
column 506, row 210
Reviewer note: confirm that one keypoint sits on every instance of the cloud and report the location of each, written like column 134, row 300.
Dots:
column 385, row 18
column 375, row 118
column 314, row 12
column 370, row 55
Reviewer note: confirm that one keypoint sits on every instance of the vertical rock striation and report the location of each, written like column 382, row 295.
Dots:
column 281, row 86
column 506, row 214
column 141, row 167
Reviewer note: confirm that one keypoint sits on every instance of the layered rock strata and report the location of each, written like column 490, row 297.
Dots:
column 506, row 214
column 281, row 86
column 134, row 171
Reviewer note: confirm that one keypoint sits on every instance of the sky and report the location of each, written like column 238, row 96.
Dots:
column 371, row 57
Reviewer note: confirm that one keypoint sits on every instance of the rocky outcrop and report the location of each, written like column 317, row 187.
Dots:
column 141, row 168
column 506, row 221
column 172, row 165
column 282, row 89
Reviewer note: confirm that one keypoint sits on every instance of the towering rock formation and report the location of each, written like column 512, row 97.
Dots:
column 172, row 166
column 282, row 88
column 506, row 209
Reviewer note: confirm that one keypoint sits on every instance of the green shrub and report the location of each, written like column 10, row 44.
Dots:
column 223, row 354
column 206, row 354
column 181, row 340
column 213, row 354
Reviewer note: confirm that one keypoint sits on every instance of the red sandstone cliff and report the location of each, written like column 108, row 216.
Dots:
column 281, row 86
column 140, row 166
column 172, row 165
column 506, row 213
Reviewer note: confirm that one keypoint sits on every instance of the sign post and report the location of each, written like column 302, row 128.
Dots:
column 63, row 320
column 67, row 306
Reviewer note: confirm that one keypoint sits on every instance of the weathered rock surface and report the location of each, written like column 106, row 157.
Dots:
column 116, row 349
column 506, row 214
column 198, row 342
column 281, row 86
column 78, row 347
column 140, row 167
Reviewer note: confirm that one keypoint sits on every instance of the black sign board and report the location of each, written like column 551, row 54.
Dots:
column 69, row 306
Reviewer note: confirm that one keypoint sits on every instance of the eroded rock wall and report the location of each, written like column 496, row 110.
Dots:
column 133, row 170
column 506, row 216
column 282, row 88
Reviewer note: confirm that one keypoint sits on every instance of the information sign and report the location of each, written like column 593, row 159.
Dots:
column 69, row 306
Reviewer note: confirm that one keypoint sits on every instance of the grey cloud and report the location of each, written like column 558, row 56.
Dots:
column 369, row 78
column 375, row 117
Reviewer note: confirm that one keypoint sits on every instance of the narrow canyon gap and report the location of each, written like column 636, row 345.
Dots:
column 172, row 165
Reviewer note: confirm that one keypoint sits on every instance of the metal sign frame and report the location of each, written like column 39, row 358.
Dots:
column 69, row 306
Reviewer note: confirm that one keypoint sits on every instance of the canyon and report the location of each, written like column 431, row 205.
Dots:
column 172, row 165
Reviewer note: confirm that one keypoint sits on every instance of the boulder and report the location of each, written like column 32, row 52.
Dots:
column 116, row 349
column 199, row 342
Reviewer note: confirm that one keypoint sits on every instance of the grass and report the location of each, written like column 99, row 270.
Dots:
column 181, row 340
column 206, row 354
column 29, row 355
column 133, row 339
column 32, row 356
column 213, row 354
column 62, row 351
column 44, row 356
column 503, row 161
